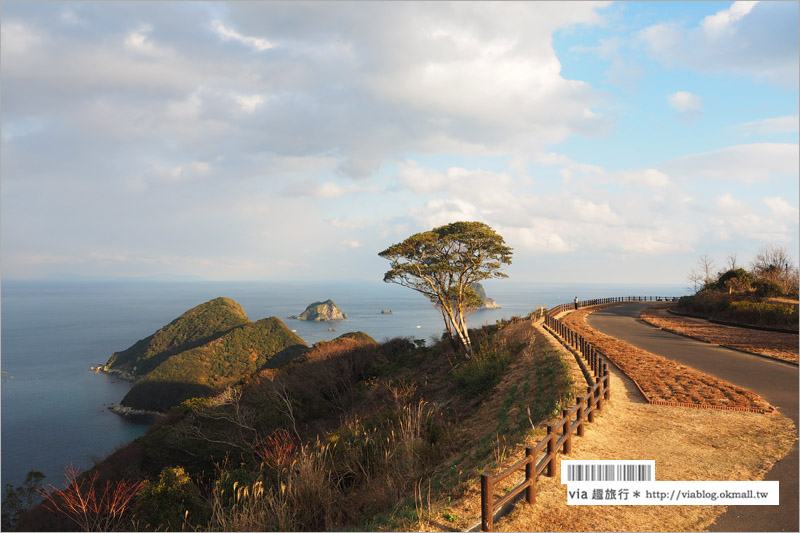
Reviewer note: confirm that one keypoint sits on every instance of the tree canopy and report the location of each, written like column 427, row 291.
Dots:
column 444, row 264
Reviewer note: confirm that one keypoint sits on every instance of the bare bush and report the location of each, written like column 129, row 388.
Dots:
column 90, row 507
column 773, row 263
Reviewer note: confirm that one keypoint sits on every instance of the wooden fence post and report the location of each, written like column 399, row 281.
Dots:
column 608, row 381
column 590, row 391
column 487, row 495
column 600, row 397
column 567, row 432
column 530, row 475
column 581, row 405
column 551, row 450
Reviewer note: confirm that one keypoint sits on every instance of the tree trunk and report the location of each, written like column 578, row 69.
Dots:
column 450, row 335
column 463, row 334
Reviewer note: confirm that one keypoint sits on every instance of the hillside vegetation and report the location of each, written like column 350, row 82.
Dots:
column 207, row 369
column 745, row 298
column 200, row 353
column 347, row 436
column 195, row 327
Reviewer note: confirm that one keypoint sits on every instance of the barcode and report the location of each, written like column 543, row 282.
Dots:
column 587, row 471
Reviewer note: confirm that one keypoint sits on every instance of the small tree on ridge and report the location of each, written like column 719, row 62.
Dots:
column 444, row 264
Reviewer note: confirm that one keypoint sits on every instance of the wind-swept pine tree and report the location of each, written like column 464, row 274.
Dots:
column 444, row 264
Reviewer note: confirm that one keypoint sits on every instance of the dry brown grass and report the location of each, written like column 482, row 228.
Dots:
column 661, row 379
column 783, row 346
column 464, row 509
column 686, row 444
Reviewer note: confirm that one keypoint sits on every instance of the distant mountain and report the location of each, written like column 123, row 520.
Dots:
column 486, row 302
column 200, row 353
column 322, row 312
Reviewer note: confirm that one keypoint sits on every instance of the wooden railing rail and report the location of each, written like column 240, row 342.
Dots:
column 559, row 437
column 573, row 420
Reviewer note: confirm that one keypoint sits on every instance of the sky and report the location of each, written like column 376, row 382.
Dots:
column 605, row 141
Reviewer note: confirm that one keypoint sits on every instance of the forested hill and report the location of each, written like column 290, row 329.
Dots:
column 200, row 353
column 197, row 326
column 207, row 369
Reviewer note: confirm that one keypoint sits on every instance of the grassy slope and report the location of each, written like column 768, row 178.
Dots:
column 195, row 327
column 204, row 370
column 361, row 423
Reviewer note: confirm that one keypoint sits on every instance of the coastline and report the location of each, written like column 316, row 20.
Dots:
column 138, row 416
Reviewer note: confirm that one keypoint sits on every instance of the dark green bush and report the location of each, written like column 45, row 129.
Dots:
column 762, row 313
column 766, row 288
column 17, row 500
column 170, row 503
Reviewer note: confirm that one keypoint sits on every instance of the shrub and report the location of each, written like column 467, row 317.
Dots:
column 766, row 288
column 17, row 500
column 761, row 313
column 91, row 505
column 170, row 503
column 482, row 371
column 734, row 280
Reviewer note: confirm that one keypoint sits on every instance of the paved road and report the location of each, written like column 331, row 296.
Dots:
column 775, row 381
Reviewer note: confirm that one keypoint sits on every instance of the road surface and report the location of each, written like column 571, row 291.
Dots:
column 775, row 381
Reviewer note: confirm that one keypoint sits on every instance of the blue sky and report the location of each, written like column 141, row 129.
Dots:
column 607, row 142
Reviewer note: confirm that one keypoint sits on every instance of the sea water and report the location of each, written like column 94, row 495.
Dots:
column 54, row 409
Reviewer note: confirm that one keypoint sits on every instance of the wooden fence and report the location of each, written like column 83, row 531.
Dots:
column 541, row 458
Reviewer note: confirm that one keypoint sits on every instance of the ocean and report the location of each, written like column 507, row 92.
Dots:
column 54, row 410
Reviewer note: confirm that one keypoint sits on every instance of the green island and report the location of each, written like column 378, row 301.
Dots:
column 200, row 353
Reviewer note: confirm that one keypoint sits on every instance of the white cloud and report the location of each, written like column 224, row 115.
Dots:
column 487, row 187
column 235, row 143
column 17, row 39
column 329, row 189
column 747, row 163
column 541, row 236
column 440, row 212
column 722, row 23
column 767, row 126
column 248, row 104
column 759, row 40
column 649, row 177
column 726, row 202
column 781, row 208
column 747, row 225
column 139, row 42
column 229, row 34
column 685, row 102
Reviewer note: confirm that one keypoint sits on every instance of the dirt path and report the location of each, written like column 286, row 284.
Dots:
column 686, row 444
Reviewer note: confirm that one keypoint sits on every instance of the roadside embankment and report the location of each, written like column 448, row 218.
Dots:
column 781, row 346
column 663, row 380
column 686, row 444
